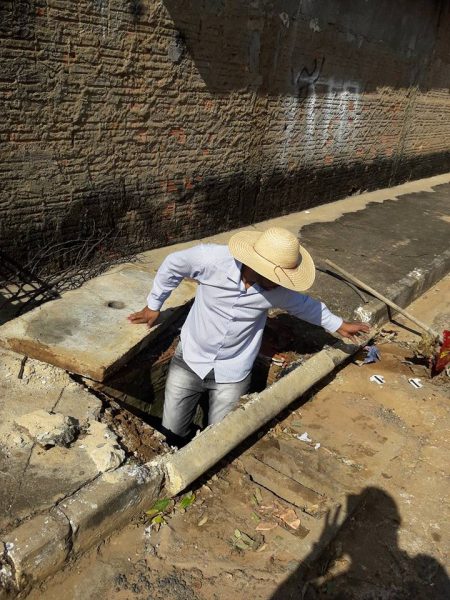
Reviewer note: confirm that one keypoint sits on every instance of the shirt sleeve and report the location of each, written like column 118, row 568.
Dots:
column 175, row 267
column 310, row 310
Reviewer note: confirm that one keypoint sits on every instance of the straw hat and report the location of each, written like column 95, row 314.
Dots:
column 275, row 254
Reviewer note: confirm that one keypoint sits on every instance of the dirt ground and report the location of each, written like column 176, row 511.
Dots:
column 394, row 442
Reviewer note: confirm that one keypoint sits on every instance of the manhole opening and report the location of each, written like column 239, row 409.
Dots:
column 115, row 304
column 138, row 387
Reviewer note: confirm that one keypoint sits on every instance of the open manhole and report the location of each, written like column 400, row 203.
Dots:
column 138, row 387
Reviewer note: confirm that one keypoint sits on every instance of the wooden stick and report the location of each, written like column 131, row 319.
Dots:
column 369, row 289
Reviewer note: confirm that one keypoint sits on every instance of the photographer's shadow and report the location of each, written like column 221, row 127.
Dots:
column 365, row 562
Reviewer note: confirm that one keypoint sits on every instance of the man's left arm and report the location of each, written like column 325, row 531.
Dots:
column 316, row 312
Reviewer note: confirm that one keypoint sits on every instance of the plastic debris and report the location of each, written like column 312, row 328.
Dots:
column 317, row 446
column 415, row 382
column 368, row 354
column 377, row 379
column 304, row 437
column 442, row 359
column 373, row 354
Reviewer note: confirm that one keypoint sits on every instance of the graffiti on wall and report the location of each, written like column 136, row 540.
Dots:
column 323, row 117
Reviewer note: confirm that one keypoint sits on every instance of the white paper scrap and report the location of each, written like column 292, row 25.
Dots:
column 415, row 382
column 317, row 446
column 304, row 437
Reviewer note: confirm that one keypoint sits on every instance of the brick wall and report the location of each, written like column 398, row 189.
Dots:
column 163, row 121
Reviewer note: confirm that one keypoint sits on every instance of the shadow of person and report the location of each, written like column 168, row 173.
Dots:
column 365, row 562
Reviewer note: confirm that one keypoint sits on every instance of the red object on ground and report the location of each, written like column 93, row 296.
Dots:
column 443, row 356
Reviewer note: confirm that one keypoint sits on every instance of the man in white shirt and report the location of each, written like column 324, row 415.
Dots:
column 222, row 334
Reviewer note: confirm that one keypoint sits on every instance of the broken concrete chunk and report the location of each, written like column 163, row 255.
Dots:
column 102, row 447
column 49, row 429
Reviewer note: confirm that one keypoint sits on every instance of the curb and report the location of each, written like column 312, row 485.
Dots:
column 405, row 291
column 40, row 546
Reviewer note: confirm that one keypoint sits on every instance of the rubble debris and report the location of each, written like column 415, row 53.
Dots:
column 102, row 447
column 425, row 347
column 136, row 436
column 49, row 429
column 290, row 517
column 387, row 335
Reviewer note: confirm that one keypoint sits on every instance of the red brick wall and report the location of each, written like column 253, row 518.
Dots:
column 167, row 120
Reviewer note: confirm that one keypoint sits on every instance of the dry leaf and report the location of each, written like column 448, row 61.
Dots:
column 288, row 516
column 265, row 526
column 258, row 496
column 202, row 520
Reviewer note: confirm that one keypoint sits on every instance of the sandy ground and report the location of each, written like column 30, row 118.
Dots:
column 395, row 545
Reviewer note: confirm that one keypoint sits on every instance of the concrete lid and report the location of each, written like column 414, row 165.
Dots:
column 87, row 331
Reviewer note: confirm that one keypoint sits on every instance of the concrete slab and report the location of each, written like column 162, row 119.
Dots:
column 86, row 331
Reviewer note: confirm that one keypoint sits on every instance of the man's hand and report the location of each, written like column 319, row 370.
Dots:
column 353, row 330
column 146, row 315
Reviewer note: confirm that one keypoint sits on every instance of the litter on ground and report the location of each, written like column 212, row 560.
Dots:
column 415, row 382
column 373, row 354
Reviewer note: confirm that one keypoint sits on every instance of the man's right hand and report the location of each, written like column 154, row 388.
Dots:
column 146, row 315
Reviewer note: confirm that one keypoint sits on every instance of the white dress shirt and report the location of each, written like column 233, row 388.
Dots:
column 224, row 328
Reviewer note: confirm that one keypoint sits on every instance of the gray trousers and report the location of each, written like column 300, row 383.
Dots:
column 183, row 391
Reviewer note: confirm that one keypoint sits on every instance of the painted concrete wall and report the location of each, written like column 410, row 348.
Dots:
column 164, row 120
